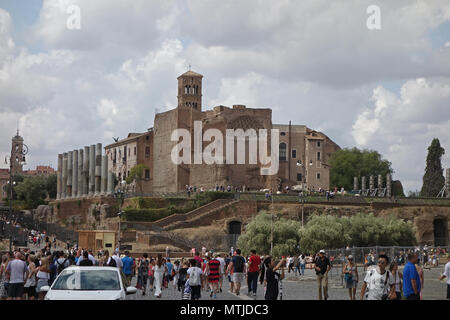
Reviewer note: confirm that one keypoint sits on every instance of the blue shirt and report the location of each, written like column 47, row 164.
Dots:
column 169, row 267
column 127, row 264
column 410, row 273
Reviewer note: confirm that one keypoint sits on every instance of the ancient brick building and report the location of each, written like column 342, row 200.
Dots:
column 303, row 152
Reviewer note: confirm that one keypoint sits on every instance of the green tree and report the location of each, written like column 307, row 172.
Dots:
column 361, row 230
column 349, row 163
column 433, row 179
column 137, row 174
column 32, row 190
column 17, row 179
column 51, row 185
column 286, row 235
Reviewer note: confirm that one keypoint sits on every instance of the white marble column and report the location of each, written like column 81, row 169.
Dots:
column 59, row 177
column 75, row 174
column 92, row 170
column 64, row 177
column 80, row 174
column 86, row 157
column 104, row 178
column 98, row 168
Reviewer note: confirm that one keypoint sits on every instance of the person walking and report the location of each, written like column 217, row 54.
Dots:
column 114, row 261
column 176, row 273
column 272, row 277
column 421, row 276
column 16, row 273
column 221, row 270
column 43, row 276
column 3, row 291
column 398, row 276
column 30, row 283
column 322, row 266
column 61, row 263
column 302, row 261
column 151, row 274
column 411, row 279
column 351, row 277
column 378, row 282
column 158, row 272
column 182, row 276
column 194, row 275
column 254, row 263
column 213, row 272
column 446, row 274
column 85, row 262
column 237, row 266
column 127, row 267
column 142, row 267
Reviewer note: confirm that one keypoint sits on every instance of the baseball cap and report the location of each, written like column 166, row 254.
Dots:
column 322, row 251
column 350, row 257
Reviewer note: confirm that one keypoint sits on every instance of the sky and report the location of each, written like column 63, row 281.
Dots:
column 314, row 63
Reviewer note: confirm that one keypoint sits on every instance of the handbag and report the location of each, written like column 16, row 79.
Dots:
column 386, row 295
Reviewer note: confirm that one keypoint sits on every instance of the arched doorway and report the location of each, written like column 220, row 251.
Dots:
column 234, row 230
column 440, row 232
column 234, row 227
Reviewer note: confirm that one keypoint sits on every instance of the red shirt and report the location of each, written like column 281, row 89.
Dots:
column 255, row 261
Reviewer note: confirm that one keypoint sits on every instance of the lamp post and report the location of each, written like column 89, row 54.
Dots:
column 300, row 164
column 20, row 160
column 120, row 214
column 271, row 228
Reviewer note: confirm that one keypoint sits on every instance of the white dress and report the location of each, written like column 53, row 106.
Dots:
column 158, row 274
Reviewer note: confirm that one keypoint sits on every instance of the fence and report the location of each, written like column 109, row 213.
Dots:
column 338, row 257
column 20, row 236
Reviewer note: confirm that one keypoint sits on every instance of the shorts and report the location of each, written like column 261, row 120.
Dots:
column 40, row 284
column 30, row 291
column 351, row 284
column 238, row 277
column 15, row 290
column 195, row 292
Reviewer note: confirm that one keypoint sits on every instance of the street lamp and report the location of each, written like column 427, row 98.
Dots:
column 300, row 164
column 19, row 160
column 120, row 214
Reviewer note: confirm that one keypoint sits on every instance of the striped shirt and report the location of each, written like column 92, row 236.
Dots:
column 214, row 273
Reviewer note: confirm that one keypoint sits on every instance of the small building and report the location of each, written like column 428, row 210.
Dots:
column 97, row 240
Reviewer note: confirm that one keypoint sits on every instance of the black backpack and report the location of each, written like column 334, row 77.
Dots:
column 112, row 262
column 61, row 266
column 239, row 264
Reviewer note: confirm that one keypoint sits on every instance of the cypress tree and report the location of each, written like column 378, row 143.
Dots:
column 433, row 179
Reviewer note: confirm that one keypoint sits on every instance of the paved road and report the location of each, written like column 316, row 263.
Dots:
column 303, row 288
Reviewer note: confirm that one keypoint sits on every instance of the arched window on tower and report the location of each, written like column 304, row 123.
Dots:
column 283, row 151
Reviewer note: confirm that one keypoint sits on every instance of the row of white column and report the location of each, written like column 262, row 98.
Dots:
column 372, row 184
column 84, row 173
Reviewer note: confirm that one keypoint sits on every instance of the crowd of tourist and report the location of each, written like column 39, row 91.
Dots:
column 24, row 272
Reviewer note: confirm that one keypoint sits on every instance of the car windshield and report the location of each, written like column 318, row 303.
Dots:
column 87, row 280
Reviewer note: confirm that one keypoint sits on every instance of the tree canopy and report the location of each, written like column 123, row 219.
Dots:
column 286, row 235
column 433, row 179
column 325, row 232
column 349, row 163
column 35, row 189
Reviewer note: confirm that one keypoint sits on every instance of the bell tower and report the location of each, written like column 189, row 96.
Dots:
column 17, row 157
column 190, row 90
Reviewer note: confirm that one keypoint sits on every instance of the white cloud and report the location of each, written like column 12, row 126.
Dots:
column 312, row 62
column 402, row 127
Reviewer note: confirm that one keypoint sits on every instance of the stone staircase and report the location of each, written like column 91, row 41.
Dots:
column 175, row 218
column 191, row 220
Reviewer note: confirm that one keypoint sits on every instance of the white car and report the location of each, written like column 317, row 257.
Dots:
column 89, row 283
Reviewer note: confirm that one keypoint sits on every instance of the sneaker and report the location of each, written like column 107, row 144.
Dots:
column 237, row 293
column 220, row 289
column 211, row 294
column 254, row 294
column 214, row 296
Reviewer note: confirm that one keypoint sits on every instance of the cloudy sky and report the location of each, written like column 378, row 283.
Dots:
column 313, row 62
